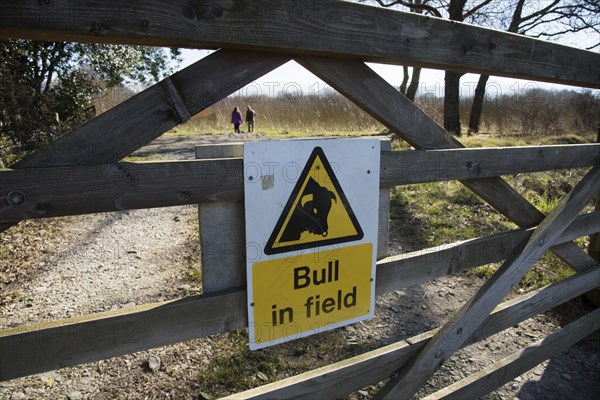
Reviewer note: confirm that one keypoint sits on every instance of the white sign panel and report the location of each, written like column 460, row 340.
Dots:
column 311, row 235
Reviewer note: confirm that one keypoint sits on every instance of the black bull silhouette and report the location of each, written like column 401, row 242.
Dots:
column 310, row 213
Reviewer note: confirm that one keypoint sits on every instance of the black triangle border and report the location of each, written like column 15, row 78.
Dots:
column 269, row 250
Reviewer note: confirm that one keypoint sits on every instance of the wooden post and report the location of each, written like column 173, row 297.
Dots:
column 594, row 246
column 594, row 249
column 222, row 238
column 383, row 229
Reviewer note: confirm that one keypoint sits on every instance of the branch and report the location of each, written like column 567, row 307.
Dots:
column 476, row 8
column 423, row 7
column 541, row 12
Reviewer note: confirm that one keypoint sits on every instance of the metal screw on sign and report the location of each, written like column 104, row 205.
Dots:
column 16, row 198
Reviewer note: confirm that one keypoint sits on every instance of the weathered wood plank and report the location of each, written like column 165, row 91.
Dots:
column 222, row 234
column 59, row 344
column 317, row 27
column 222, row 245
column 350, row 375
column 456, row 331
column 61, row 191
column 462, row 164
column 503, row 371
column 382, row 101
column 53, row 345
column 383, row 223
column 221, row 150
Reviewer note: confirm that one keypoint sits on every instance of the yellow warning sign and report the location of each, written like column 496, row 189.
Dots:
column 310, row 293
column 317, row 212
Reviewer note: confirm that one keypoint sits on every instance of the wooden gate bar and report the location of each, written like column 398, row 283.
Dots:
column 57, row 344
column 350, row 375
column 315, row 27
column 61, row 191
column 505, row 370
column 378, row 98
column 456, row 331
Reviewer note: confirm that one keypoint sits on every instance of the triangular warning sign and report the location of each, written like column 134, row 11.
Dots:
column 317, row 212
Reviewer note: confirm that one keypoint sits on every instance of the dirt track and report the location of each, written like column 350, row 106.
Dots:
column 120, row 259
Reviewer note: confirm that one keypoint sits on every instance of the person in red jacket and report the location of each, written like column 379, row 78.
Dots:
column 236, row 119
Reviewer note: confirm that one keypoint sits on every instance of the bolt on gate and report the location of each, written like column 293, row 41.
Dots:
column 333, row 40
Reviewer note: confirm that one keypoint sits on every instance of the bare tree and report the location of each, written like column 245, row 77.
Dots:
column 542, row 20
column 474, row 11
column 459, row 10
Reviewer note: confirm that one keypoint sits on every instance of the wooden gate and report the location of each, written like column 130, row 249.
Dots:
column 333, row 40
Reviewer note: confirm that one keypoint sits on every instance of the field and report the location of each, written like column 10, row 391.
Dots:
column 533, row 113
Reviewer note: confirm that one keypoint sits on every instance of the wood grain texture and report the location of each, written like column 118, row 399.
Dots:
column 406, row 167
column 222, row 245
column 222, row 234
column 222, row 150
column 505, row 370
column 315, row 27
column 378, row 98
column 383, row 223
column 53, row 345
column 355, row 373
column 61, row 191
column 456, row 331
column 74, row 341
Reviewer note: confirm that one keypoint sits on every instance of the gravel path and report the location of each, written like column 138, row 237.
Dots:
column 117, row 260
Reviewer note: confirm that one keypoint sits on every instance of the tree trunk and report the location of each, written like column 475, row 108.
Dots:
column 404, row 80
column 411, row 92
column 451, row 103
column 477, row 105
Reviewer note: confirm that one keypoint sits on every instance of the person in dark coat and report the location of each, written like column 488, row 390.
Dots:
column 250, row 114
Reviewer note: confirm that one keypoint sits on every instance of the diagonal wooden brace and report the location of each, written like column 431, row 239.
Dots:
column 374, row 95
column 459, row 328
column 136, row 122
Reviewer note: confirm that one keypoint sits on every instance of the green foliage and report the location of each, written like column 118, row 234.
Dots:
column 47, row 88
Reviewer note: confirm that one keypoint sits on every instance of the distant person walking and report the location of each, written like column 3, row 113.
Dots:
column 236, row 119
column 250, row 114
